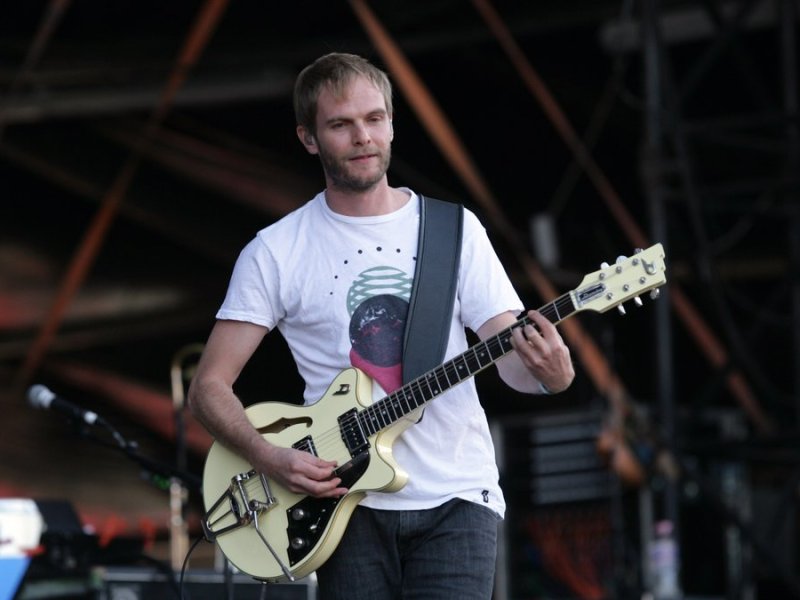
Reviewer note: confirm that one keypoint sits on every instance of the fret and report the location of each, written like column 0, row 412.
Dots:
column 460, row 367
column 411, row 401
column 425, row 390
column 417, row 395
column 390, row 407
column 506, row 344
column 483, row 356
column 562, row 308
column 393, row 403
column 558, row 316
column 382, row 407
column 548, row 311
column 401, row 402
column 379, row 415
column 364, row 423
column 375, row 421
column 441, row 379
column 472, row 362
column 382, row 413
column 433, row 384
column 497, row 349
column 442, row 374
column 451, row 372
column 372, row 423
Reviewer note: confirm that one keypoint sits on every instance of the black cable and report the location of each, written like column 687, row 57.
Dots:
column 185, row 565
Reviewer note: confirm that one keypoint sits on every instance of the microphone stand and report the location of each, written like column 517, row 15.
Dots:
column 131, row 450
column 157, row 468
column 191, row 482
column 153, row 467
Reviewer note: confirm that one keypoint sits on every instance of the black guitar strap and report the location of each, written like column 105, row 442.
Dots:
column 435, row 281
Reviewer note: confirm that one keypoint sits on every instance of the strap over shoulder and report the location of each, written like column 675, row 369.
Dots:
column 435, row 282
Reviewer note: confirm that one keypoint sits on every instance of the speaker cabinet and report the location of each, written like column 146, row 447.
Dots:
column 132, row 583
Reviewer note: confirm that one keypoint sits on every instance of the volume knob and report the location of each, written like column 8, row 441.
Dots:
column 298, row 514
column 298, row 543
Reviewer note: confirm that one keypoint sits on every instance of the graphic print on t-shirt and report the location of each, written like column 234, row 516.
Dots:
column 378, row 306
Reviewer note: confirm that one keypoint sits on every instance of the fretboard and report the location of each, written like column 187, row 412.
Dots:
column 391, row 408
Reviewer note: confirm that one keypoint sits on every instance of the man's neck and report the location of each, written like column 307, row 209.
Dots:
column 380, row 200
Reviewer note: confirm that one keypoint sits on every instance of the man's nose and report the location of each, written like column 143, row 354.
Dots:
column 361, row 134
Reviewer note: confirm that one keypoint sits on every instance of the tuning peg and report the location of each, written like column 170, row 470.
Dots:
column 619, row 262
column 637, row 301
column 655, row 293
column 604, row 265
column 621, row 309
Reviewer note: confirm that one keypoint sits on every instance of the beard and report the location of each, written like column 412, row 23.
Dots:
column 342, row 177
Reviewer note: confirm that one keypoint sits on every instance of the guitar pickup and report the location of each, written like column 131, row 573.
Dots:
column 247, row 496
column 352, row 432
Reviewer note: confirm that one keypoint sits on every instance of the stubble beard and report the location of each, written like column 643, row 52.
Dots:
column 343, row 179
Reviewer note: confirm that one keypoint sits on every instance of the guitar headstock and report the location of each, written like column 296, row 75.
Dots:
column 626, row 279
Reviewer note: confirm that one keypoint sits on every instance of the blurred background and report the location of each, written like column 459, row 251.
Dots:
column 143, row 143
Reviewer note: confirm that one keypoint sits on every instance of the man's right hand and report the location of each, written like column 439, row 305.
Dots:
column 302, row 473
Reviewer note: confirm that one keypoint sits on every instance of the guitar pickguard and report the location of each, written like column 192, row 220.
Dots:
column 308, row 519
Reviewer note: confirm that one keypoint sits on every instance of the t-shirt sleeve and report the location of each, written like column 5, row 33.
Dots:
column 254, row 290
column 485, row 290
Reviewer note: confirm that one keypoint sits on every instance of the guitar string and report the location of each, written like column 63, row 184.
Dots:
column 331, row 439
column 385, row 411
column 382, row 408
column 381, row 411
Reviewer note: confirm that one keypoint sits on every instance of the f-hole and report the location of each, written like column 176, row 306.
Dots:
column 281, row 424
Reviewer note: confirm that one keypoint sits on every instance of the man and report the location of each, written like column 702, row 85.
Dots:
column 334, row 276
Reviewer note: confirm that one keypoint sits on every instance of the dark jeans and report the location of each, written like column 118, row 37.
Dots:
column 443, row 552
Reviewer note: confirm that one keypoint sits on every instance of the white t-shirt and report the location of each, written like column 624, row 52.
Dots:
column 337, row 288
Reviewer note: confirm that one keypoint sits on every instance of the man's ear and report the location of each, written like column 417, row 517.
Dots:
column 307, row 139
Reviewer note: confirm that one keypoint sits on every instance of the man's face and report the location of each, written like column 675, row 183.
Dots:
column 354, row 135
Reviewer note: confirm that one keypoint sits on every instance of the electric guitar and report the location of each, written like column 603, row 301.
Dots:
column 275, row 535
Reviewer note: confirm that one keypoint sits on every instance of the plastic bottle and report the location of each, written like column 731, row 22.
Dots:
column 664, row 563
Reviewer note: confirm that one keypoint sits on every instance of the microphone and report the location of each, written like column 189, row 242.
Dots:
column 41, row 397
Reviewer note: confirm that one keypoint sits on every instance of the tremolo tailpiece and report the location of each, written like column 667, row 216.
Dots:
column 243, row 507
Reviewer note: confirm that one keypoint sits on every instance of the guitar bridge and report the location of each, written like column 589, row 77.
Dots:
column 247, row 496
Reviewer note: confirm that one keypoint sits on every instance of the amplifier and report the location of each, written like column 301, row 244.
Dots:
column 142, row 583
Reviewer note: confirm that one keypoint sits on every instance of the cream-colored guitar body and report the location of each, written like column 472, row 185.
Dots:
column 314, row 526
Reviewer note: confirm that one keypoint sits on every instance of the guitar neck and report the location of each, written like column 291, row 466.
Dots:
column 391, row 408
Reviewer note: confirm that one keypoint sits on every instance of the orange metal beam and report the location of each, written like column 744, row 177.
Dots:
column 89, row 248
column 709, row 344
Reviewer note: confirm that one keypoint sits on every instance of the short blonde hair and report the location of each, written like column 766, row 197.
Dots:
column 335, row 70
